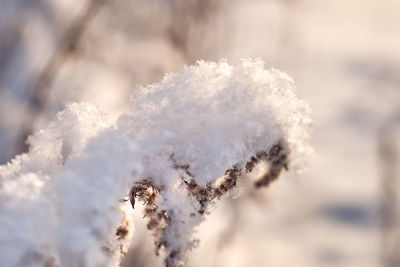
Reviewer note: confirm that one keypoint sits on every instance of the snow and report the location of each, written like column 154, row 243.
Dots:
column 183, row 135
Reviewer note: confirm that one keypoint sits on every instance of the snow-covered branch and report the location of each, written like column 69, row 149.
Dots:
column 186, row 143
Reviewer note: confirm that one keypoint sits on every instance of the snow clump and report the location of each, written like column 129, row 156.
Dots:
column 186, row 143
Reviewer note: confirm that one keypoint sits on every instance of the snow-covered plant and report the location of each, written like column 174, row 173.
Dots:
column 189, row 139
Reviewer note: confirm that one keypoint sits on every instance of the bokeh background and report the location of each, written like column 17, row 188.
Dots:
column 344, row 56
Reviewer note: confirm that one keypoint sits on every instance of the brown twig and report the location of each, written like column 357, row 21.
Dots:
column 159, row 220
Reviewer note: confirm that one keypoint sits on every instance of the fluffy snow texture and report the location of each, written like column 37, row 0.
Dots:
column 61, row 203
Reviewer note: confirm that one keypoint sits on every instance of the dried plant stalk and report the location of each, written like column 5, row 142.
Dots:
column 159, row 220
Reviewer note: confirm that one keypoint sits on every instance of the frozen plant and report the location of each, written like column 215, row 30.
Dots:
column 68, row 201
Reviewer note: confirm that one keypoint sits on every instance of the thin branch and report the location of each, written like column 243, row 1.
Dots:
column 43, row 84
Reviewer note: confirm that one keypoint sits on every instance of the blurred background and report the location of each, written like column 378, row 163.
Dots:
column 344, row 210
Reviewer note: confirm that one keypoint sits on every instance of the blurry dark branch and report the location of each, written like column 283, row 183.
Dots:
column 8, row 40
column 389, row 155
column 12, row 27
column 237, row 217
column 66, row 47
column 138, row 255
column 227, row 237
column 189, row 21
column 290, row 34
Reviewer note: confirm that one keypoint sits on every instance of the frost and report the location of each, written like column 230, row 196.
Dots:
column 185, row 145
